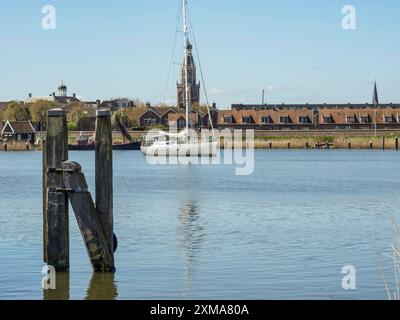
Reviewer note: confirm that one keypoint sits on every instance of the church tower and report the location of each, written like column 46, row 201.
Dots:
column 192, row 81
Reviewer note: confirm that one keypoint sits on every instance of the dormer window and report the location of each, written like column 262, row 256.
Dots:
column 267, row 119
column 365, row 119
column 285, row 119
column 351, row 119
column 247, row 119
column 228, row 119
column 389, row 119
column 304, row 119
column 328, row 119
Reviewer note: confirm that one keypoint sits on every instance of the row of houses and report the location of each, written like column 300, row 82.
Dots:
column 278, row 119
column 306, row 118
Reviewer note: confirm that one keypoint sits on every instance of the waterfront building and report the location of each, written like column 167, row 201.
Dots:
column 18, row 131
column 116, row 104
column 373, row 115
column 307, row 119
column 61, row 98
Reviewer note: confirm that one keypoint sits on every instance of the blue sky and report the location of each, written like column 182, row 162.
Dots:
column 296, row 50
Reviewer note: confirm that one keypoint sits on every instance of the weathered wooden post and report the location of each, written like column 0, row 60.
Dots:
column 383, row 143
column 397, row 144
column 56, row 226
column 5, row 146
column 104, row 175
column 270, row 144
column 288, row 145
column 349, row 145
column 307, row 145
column 371, row 146
column 101, row 258
column 62, row 181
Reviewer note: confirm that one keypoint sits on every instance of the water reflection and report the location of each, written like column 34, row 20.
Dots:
column 62, row 288
column 192, row 236
column 102, row 286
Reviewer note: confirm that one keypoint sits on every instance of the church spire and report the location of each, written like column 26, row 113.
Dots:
column 375, row 98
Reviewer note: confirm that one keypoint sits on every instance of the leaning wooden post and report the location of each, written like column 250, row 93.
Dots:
column 56, row 226
column 104, row 175
column 101, row 258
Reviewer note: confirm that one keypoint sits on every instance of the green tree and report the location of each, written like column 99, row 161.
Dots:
column 16, row 111
column 72, row 126
column 133, row 114
column 1, row 117
column 76, row 111
column 39, row 110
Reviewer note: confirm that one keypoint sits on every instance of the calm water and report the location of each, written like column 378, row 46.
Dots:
column 198, row 232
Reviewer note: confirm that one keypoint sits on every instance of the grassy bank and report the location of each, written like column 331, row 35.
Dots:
column 334, row 142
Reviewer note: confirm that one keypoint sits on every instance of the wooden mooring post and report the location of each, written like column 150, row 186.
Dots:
column 104, row 176
column 63, row 180
column 55, row 220
column 397, row 144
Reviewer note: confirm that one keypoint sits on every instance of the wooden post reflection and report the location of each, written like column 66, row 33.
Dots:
column 102, row 286
column 62, row 288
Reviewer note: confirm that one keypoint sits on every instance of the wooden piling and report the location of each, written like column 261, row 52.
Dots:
column 56, row 226
column 349, row 144
column 383, row 143
column 5, row 146
column 397, row 144
column 270, row 144
column 288, row 145
column 97, row 245
column 44, row 194
column 371, row 146
column 104, row 174
column 307, row 145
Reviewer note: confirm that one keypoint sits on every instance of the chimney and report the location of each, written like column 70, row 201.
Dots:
column 74, row 95
column 98, row 102
column 30, row 95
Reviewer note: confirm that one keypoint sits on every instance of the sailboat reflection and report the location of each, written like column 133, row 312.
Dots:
column 102, row 287
column 192, row 236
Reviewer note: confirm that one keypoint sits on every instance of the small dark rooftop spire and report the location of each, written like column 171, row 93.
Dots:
column 375, row 98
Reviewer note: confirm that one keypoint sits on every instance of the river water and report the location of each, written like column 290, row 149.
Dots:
column 201, row 232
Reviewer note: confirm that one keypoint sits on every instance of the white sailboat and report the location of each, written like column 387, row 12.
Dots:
column 187, row 142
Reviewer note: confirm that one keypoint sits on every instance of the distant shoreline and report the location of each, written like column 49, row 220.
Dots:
column 281, row 140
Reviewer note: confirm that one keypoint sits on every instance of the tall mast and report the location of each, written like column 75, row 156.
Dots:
column 186, row 43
